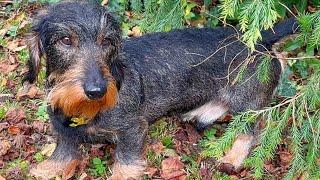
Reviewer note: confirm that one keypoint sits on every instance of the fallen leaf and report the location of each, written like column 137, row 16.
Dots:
column 83, row 164
column 157, row 147
column 10, row 84
column 205, row 172
column 169, row 152
column 269, row 166
column 226, row 118
column 19, row 141
column 285, row 158
column 193, row 135
column 3, row 126
column 28, row 90
column 172, row 167
column 5, row 145
column 178, row 146
column 6, row 67
column 83, row 176
column 96, row 152
column 69, row 171
column 14, row 130
column 15, row 115
column 16, row 45
column 12, row 58
column 38, row 126
column 151, row 171
column 48, row 149
column 181, row 135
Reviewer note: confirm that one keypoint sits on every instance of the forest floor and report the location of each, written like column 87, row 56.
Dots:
column 173, row 149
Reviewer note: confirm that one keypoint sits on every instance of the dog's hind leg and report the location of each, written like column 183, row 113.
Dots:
column 206, row 114
column 252, row 95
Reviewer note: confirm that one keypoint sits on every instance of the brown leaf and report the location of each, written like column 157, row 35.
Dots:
column 69, row 171
column 157, row 147
column 28, row 90
column 12, row 58
column 226, row 118
column 285, row 158
column 14, row 130
column 83, row 164
column 193, row 135
column 3, row 126
column 269, row 166
column 14, row 116
column 10, row 84
column 5, row 145
column 181, row 135
column 19, row 141
column 205, row 172
column 6, row 67
column 16, row 45
column 172, row 167
column 96, row 152
column 151, row 171
column 38, row 126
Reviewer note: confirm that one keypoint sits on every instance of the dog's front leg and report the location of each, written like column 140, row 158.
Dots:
column 66, row 152
column 64, row 155
column 129, row 163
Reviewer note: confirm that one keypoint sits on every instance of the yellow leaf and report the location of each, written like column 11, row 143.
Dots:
column 48, row 149
column 77, row 121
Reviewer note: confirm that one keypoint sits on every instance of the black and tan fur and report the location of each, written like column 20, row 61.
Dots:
column 141, row 79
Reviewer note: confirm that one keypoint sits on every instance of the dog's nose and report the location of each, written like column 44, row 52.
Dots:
column 94, row 92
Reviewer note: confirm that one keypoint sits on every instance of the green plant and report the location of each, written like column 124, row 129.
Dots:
column 167, row 141
column 42, row 112
column 99, row 167
column 39, row 157
column 2, row 112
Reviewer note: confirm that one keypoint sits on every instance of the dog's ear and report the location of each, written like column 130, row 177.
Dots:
column 35, row 54
column 117, row 71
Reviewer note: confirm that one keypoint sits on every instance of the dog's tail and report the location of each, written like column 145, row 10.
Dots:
column 280, row 30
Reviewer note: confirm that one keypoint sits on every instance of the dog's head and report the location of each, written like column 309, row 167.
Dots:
column 80, row 42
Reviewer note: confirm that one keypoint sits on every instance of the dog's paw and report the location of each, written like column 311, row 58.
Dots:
column 234, row 158
column 52, row 168
column 127, row 172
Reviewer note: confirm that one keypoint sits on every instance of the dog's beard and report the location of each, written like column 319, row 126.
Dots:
column 68, row 95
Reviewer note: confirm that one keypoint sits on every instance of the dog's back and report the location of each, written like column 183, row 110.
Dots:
column 185, row 69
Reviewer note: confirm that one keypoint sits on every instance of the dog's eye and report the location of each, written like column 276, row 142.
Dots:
column 66, row 41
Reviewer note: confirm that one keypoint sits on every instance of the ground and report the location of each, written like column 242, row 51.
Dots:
column 173, row 149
